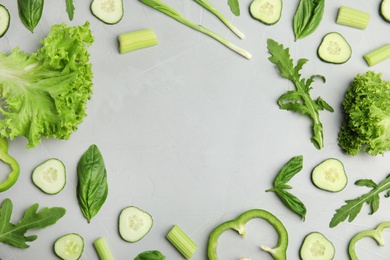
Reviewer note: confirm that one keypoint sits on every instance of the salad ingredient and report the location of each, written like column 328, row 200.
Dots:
column 266, row 11
column 209, row 7
column 181, row 241
column 278, row 252
column 234, row 7
column 299, row 100
column 385, row 10
column 8, row 159
column 50, row 176
column 102, row 249
column 92, row 186
column 330, row 175
column 366, row 109
column 376, row 234
column 378, row 55
column 150, row 255
column 280, row 186
column 69, row 246
column 136, row 40
column 307, row 17
column 108, row 11
column 352, row 17
column 134, row 224
column 70, row 9
column 14, row 235
column 30, row 12
column 352, row 207
column 160, row 6
column 334, row 48
column 317, row 246
column 4, row 21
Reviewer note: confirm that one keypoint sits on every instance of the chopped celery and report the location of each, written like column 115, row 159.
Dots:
column 351, row 17
column 377, row 55
column 181, row 242
column 136, row 40
column 102, row 249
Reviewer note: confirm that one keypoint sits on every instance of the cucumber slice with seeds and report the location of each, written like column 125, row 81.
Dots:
column 108, row 11
column 4, row 20
column 330, row 175
column 385, row 10
column 134, row 224
column 317, row 246
column 50, row 176
column 266, row 11
column 69, row 247
column 334, row 48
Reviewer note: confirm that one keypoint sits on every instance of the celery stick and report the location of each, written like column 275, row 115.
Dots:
column 352, row 17
column 181, row 242
column 377, row 55
column 136, row 40
column 102, row 249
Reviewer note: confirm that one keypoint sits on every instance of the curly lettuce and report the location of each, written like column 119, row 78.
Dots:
column 44, row 94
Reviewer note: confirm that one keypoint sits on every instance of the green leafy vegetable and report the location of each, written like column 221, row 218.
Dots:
column 150, row 255
column 70, row 9
column 280, row 185
column 30, row 12
column 92, row 186
column 44, row 94
column 15, row 234
column 8, row 159
column 307, row 17
column 299, row 100
column 234, row 7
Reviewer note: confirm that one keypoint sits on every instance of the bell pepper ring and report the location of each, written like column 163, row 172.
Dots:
column 8, row 159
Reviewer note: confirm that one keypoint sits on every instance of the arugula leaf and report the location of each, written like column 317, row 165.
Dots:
column 307, row 17
column 15, row 234
column 234, row 7
column 70, row 9
column 30, row 12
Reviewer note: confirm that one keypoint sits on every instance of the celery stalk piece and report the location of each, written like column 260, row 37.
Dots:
column 102, row 249
column 136, row 40
column 377, row 55
column 352, row 17
column 160, row 6
column 209, row 7
column 181, row 242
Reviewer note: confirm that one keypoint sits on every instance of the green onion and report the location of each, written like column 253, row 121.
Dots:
column 352, row 17
column 377, row 55
column 102, row 249
column 181, row 242
column 136, row 40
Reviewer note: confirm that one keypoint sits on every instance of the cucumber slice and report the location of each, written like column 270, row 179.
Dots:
column 266, row 11
column 334, row 48
column 134, row 224
column 4, row 20
column 69, row 247
column 50, row 176
column 385, row 10
column 317, row 246
column 108, row 11
column 330, row 175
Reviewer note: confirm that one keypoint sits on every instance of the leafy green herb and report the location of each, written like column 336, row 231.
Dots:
column 234, row 7
column 352, row 207
column 15, row 234
column 280, row 185
column 92, row 186
column 30, row 12
column 150, row 255
column 70, row 9
column 299, row 100
column 307, row 17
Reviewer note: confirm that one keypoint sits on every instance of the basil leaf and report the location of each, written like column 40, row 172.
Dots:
column 292, row 202
column 30, row 12
column 307, row 17
column 92, row 186
column 70, row 9
column 150, row 255
column 292, row 167
column 234, row 7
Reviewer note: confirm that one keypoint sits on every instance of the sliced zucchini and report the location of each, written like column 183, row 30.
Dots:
column 385, row 10
column 266, row 11
column 50, row 176
column 69, row 247
column 334, row 48
column 330, row 175
column 4, row 20
column 108, row 11
column 134, row 224
column 317, row 246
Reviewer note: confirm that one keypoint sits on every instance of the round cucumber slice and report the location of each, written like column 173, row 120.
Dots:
column 266, row 11
column 316, row 246
column 108, row 11
column 134, row 224
column 385, row 10
column 330, row 175
column 334, row 48
column 69, row 247
column 50, row 176
column 4, row 20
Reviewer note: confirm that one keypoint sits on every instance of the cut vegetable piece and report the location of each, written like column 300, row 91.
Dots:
column 266, row 11
column 69, row 247
column 352, row 17
column 8, row 159
column 378, row 55
column 102, row 249
column 317, row 246
column 330, row 175
column 4, row 20
column 136, row 40
column 182, row 242
column 334, row 48
column 134, row 224
column 50, row 176
column 108, row 11
column 385, row 10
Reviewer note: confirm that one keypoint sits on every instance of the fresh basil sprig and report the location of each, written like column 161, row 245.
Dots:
column 307, row 17
column 280, row 186
column 234, row 7
column 70, row 9
column 30, row 12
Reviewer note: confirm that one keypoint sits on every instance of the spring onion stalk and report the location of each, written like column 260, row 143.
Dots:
column 102, row 249
column 136, row 40
column 160, row 6
column 209, row 7
column 181, row 242
column 352, row 17
column 377, row 55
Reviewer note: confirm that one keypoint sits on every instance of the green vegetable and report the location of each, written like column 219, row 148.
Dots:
column 352, row 17
column 299, row 100
column 377, row 55
column 266, row 11
column 134, row 224
column 32, row 219
column 278, row 252
column 280, row 186
column 69, row 246
column 30, row 12
column 4, row 21
column 330, row 175
column 45, row 93
column 376, row 234
column 334, row 48
column 160, row 6
column 384, row 10
column 102, row 249
column 234, row 7
column 50, row 176
column 307, row 17
column 92, row 186
column 136, row 40
column 150, row 255
column 108, row 11
column 181, row 241
column 352, row 207
column 367, row 112
column 70, row 9
column 317, row 246
column 8, row 159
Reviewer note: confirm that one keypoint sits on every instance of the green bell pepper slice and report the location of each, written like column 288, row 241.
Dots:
column 8, row 159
